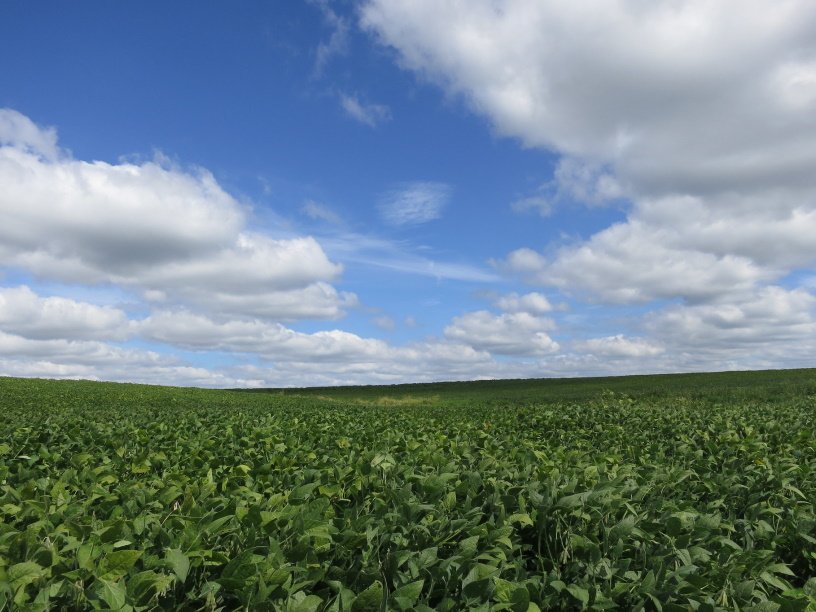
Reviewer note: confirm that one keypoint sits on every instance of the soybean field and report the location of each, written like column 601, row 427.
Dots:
column 684, row 492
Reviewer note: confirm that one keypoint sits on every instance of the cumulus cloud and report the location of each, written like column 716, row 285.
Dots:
column 709, row 135
column 271, row 340
column 292, row 358
column 20, row 132
column 550, row 73
column 414, row 203
column 619, row 346
column 518, row 333
column 371, row 115
column 683, row 247
column 769, row 316
column 24, row 313
column 533, row 303
column 710, row 132
column 574, row 180
column 64, row 338
column 95, row 360
column 151, row 228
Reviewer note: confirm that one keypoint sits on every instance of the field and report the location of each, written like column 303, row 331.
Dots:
column 691, row 492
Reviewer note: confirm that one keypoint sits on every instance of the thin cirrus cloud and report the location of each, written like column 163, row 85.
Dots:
column 338, row 41
column 368, row 114
column 414, row 203
column 320, row 212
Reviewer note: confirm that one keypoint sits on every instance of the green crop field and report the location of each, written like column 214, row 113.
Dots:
column 689, row 492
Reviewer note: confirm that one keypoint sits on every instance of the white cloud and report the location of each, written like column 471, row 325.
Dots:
column 153, row 229
column 315, row 301
column 371, row 115
column 18, row 131
column 772, row 315
column 700, row 113
column 59, row 358
column 533, row 303
column 414, row 203
column 682, row 247
column 586, row 182
column 525, row 262
column 24, row 313
column 518, row 333
column 59, row 337
column 619, row 346
column 574, row 181
column 575, row 77
column 291, row 358
column 270, row 340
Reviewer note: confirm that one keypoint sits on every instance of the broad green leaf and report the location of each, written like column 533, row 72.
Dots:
column 178, row 562
column 116, row 564
column 522, row 519
column 112, row 593
column 300, row 602
column 22, row 574
column 579, row 593
column 370, row 599
column 407, row 595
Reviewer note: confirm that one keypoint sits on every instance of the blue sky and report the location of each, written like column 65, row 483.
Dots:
column 376, row 191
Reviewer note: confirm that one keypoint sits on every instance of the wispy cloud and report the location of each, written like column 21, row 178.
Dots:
column 320, row 212
column 371, row 115
column 414, row 203
column 399, row 256
column 337, row 43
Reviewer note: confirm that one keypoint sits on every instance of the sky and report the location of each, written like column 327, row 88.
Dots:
column 378, row 191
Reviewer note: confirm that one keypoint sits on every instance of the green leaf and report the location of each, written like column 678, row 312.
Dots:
column 570, row 502
column 112, row 593
column 407, row 595
column 674, row 526
column 116, row 564
column 370, row 599
column 178, row 562
column 301, row 493
column 145, row 585
column 780, row 568
column 384, row 461
column 579, row 593
column 300, row 602
column 522, row 519
column 22, row 574
column 772, row 580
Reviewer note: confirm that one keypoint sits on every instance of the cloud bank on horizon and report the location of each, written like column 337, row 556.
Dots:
column 676, row 220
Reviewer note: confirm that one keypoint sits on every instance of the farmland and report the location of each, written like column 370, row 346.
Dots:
column 656, row 493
